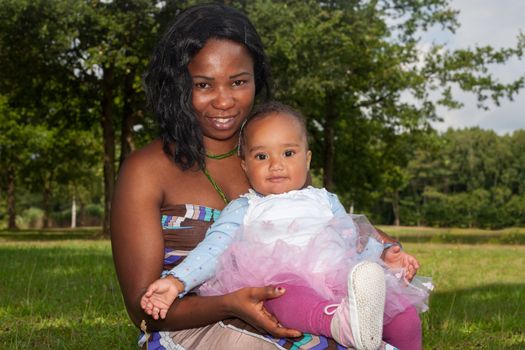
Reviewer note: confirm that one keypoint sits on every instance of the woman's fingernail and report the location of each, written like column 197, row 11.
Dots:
column 280, row 289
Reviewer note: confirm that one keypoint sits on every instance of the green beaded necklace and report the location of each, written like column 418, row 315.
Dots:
column 223, row 155
column 207, row 173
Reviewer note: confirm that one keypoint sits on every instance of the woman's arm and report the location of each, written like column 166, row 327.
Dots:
column 136, row 235
column 385, row 237
column 138, row 252
column 247, row 304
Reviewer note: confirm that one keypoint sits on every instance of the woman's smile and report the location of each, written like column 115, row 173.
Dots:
column 222, row 123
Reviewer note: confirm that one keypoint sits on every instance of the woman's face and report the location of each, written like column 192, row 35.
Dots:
column 223, row 87
column 276, row 157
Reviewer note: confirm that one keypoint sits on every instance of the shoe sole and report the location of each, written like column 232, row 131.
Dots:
column 366, row 296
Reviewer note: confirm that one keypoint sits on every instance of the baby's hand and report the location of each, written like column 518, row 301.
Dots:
column 394, row 257
column 160, row 295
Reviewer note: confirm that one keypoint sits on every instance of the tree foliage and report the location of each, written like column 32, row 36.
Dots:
column 73, row 108
column 468, row 178
column 358, row 72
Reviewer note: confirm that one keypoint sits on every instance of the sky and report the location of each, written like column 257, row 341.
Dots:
column 486, row 22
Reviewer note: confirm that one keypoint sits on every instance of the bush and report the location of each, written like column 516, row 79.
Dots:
column 94, row 210
column 515, row 208
column 61, row 218
column 30, row 218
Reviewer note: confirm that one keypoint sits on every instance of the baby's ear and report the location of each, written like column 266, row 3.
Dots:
column 308, row 159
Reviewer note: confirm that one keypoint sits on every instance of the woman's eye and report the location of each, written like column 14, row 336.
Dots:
column 261, row 156
column 202, row 85
column 239, row 82
column 289, row 153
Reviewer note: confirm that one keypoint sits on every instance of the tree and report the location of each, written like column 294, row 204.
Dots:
column 90, row 54
column 429, row 172
column 111, row 48
column 71, row 69
column 351, row 64
column 468, row 178
column 42, row 92
column 514, row 178
column 65, row 159
column 17, row 147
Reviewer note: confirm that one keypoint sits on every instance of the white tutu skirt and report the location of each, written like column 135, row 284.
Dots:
column 307, row 254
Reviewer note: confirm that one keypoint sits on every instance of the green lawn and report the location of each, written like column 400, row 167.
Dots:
column 514, row 235
column 58, row 291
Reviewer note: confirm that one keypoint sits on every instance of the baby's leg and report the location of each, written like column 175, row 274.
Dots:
column 404, row 331
column 301, row 308
column 356, row 321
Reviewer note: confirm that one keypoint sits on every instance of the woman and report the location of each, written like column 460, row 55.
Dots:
column 202, row 83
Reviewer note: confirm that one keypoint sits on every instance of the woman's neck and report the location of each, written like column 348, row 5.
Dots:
column 217, row 147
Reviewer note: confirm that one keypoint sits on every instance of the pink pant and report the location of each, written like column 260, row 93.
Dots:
column 303, row 309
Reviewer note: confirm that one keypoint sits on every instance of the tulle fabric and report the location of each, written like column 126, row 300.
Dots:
column 323, row 263
column 306, row 251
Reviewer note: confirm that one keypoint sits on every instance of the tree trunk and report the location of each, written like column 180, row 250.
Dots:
column 109, row 144
column 329, row 149
column 73, row 213
column 81, row 219
column 128, row 119
column 396, row 208
column 46, row 200
column 11, row 200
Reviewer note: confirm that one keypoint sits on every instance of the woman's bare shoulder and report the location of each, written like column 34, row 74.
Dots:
column 149, row 162
column 146, row 177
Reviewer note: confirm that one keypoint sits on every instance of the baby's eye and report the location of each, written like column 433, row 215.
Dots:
column 261, row 156
column 289, row 153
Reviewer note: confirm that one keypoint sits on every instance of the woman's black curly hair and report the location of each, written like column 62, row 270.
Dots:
column 168, row 83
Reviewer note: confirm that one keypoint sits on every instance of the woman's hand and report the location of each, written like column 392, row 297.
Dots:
column 247, row 304
column 395, row 257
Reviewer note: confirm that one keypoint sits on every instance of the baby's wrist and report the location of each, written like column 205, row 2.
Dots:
column 387, row 245
column 179, row 285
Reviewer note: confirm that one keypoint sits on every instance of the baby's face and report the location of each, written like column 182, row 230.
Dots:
column 276, row 157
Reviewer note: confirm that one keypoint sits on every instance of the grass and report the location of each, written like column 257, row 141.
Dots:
column 479, row 299
column 514, row 235
column 58, row 291
column 61, row 295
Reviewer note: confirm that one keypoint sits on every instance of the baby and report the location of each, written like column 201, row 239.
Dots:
column 301, row 238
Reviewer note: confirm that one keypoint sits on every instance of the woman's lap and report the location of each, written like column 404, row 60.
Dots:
column 216, row 336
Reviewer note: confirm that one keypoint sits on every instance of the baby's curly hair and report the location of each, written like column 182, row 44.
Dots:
column 263, row 111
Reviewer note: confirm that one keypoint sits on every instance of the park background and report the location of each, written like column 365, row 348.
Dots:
column 374, row 89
